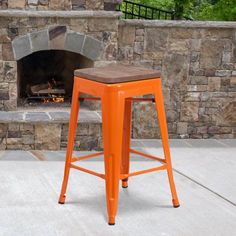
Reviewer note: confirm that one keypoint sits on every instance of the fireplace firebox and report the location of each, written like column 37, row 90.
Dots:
column 47, row 76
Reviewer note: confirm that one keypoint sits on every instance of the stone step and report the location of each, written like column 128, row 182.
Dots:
column 48, row 130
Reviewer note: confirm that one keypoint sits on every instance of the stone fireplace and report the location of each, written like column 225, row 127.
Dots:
column 47, row 40
column 46, row 69
column 48, row 56
column 41, row 44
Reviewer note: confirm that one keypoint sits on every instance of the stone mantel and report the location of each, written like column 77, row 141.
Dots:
column 179, row 24
column 60, row 14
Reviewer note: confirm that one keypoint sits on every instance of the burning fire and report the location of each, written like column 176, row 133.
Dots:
column 54, row 98
column 58, row 99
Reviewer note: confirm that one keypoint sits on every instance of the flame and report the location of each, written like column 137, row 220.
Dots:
column 58, row 99
column 54, row 99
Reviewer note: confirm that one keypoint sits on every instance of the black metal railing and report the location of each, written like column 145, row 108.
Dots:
column 132, row 10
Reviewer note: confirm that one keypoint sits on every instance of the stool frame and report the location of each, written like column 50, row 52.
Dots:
column 116, row 101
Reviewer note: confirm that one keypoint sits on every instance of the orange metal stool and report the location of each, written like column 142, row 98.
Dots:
column 115, row 86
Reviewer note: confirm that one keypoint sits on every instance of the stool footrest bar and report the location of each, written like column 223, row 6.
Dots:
column 148, row 156
column 163, row 167
column 88, row 171
column 74, row 159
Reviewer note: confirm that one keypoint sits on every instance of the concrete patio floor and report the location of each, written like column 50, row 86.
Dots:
column 205, row 176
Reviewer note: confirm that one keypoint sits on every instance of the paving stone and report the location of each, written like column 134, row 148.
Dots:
column 228, row 142
column 60, row 116
column 84, row 117
column 174, row 143
column 17, row 156
column 54, row 155
column 214, row 215
column 150, row 143
column 212, row 167
column 37, row 117
column 6, row 117
column 205, row 143
column 136, row 143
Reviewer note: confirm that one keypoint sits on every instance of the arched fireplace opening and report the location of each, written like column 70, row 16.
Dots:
column 47, row 76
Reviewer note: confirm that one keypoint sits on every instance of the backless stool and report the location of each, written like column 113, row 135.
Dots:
column 116, row 85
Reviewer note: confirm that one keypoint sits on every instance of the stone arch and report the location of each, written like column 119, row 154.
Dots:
column 57, row 38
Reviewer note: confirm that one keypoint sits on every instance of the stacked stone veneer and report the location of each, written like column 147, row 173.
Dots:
column 59, row 4
column 48, row 131
column 198, row 64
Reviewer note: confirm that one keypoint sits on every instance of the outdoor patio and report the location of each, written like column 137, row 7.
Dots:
column 205, row 179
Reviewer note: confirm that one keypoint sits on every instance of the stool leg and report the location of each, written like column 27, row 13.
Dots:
column 71, row 137
column 112, row 117
column 165, row 143
column 125, row 163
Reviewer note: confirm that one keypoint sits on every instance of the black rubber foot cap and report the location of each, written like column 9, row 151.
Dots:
column 177, row 206
column 61, row 203
column 111, row 223
column 124, row 186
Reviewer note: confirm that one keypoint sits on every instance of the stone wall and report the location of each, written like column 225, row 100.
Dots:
column 198, row 65
column 59, row 4
column 18, row 136
column 48, row 130
column 197, row 61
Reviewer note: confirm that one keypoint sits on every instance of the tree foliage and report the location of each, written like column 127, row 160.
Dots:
column 220, row 10
column 197, row 9
column 182, row 8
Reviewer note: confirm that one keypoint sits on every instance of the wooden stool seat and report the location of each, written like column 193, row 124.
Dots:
column 117, row 74
column 115, row 86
